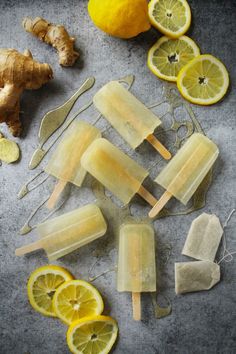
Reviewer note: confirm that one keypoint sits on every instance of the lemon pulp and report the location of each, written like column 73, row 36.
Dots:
column 204, row 80
column 168, row 56
column 92, row 335
column 171, row 17
column 42, row 285
column 76, row 299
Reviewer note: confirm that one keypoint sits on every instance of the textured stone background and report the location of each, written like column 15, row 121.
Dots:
column 200, row 323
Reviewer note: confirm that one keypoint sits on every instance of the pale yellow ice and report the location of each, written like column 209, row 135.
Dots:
column 112, row 168
column 126, row 113
column 185, row 172
column 65, row 161
column 72, row 230
column 136, row 259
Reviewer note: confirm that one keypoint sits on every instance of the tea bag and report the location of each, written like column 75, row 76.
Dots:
column 195, row 276
column 203, row 238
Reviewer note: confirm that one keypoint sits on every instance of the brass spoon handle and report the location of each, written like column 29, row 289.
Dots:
column 56, row 117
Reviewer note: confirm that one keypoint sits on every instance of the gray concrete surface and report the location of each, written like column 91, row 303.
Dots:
column 201, row 323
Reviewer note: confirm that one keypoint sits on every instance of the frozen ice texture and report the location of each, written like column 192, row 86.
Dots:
column 113, row 169
column 187, row 169
column 136, row 260
column 72, row 230
column 65, row 162
column 130, row 117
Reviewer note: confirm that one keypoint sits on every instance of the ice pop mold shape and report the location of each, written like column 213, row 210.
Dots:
column 66, row 233
column 130, row 117
column 136, row 262
column 185, row 172
column 65, row 162
column 116, row 171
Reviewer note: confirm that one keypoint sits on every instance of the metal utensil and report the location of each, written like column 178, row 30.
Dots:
column 54, row 119
column 39, row 153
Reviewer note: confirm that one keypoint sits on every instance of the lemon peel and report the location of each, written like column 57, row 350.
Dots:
column 204, row 80
column 123, row 18
column 95, row 334
column 75, row 299
column 168, row 56
column 170, row 17
column 42, row 285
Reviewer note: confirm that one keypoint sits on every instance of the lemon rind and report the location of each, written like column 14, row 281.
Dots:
column 162, row 29
column 203, row 102
column 88, row 319
column 82, row 283
column 161, row 40
column 43, row 271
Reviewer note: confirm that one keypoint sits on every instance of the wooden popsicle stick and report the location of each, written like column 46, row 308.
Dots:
column 146, row 195
column 29, row 248
column 56, row 193
column 136, row 271
column 160, row 204
column 159, row 147
column 136, row 302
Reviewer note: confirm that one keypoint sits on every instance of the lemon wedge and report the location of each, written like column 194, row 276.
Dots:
column 76, row 299
column 170, row 17
column 92, row 335
column 204, row 80
column 42, row 285
column 168, row 56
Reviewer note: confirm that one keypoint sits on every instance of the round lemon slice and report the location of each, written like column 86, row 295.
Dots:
column 93, row 335
column 204, row 80
column 170, row 17
column 76, row 299
column 168, row 56
column 42, row 285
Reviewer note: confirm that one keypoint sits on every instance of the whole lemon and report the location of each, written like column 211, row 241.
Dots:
column 120, row 18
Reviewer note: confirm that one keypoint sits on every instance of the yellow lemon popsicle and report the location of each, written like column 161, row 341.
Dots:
column 116, row 171
column 130, row 117
column 185, row 172
column 66, row 233
column 136, row 262
column 65, row 162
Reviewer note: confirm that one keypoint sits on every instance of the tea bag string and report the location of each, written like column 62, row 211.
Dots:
column 227, row 255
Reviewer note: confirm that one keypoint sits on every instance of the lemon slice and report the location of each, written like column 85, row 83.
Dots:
column 42, row 285
column 76, row 299
column 168, row 56
column 204, row 80
column 92, row 335
column 170, row 17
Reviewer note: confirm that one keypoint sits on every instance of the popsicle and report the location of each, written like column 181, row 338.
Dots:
column 116, row 171
column 136, row 262
column 185, row 172
column 133, row 121
column 66, row 233
column 65, row 161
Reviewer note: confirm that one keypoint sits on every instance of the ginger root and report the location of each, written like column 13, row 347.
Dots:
column 18, row 72
column 55, row 35
column 9, row 150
